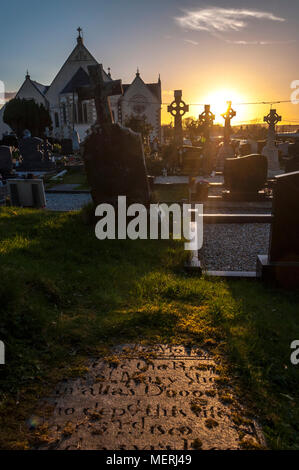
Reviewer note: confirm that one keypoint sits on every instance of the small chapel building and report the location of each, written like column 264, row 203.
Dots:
column 140, row 99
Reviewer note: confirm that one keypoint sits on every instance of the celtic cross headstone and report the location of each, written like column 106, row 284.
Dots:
column 178, row 108
column 270, row 150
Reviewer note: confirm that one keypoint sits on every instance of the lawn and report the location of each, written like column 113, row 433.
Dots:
column 170, row 192
column 73, row 176
column 64, row 296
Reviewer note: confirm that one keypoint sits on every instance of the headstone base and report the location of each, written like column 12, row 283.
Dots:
column 285, row 274
column 244, row 196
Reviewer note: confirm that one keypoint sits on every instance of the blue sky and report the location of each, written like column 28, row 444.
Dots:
column 249, row 47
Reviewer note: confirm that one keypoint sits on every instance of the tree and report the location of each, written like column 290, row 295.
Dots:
column 21, row 114
column 191, row 128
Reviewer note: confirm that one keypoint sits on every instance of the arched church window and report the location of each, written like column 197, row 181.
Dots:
column 56, row 117
column 85, row 114
column 138, row 103
column 64, row 113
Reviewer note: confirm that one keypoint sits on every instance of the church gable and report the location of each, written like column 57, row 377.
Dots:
column 30, row 90
column 138, row 88
column 79, row 58
column 80, row 79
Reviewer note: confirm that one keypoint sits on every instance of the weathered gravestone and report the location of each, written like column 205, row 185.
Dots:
column 244, row 177
column 113, row 155
column 147, row 398
column 281, row 265
column 6, row 165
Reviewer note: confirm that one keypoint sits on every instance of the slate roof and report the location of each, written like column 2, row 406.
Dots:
column 41, row 88
column 80, row 79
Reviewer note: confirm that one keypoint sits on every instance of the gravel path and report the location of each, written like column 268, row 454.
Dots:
column 233, row 247
column 66, row 202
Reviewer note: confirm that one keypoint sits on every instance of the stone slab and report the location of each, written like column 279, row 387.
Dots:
column 142, row 398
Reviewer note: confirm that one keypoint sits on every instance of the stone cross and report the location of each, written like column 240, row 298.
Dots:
column 177, row 109
column 227, row 116
column 100, row 90
column 272, row 119
column 270, row 150
column 206, row 119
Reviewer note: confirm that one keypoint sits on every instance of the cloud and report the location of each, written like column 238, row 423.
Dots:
column 222, row 19
column 260, row 43
column 190, row 41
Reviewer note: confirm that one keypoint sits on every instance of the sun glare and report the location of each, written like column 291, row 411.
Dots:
column 218, row 101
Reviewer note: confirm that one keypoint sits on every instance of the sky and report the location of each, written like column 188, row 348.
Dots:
column 244, row 51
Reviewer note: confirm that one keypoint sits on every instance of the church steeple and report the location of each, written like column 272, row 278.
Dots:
column 80, row 35
column 27, row 76
column 137, row 73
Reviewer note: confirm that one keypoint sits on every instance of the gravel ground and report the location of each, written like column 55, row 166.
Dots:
column 237, row 210
column 66, row 202
column 185, row 179
column 233, row 247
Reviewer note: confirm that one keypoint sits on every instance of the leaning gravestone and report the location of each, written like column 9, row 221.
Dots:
column 6, row 164
column 244, row 177
column 113, row 155
column 147, row 398
column 281, row 265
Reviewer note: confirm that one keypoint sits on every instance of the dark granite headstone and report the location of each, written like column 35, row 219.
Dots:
column 282, row 262
column 113, row 155
column 115, row 166
column 245, row 176
column 292, row 162
column 6, row 164
column 30, row 149
column 66, row 146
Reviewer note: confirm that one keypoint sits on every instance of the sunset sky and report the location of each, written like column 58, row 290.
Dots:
column 238, row 50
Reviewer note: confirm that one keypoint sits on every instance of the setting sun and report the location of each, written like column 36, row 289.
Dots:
column 218, row 101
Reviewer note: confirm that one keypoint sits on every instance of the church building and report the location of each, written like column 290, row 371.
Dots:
column 140, row 99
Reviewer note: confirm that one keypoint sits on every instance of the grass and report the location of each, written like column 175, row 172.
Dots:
column 170, row 192
column 64, row 296
column 73, row 176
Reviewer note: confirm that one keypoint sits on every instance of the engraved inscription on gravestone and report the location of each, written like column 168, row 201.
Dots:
column 144, row 398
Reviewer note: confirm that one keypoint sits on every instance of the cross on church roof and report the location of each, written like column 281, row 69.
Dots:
column 80, row 35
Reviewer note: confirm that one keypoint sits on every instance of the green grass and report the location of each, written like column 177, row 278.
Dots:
column 73, row 176
column 170, row 192
column 65, row 296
